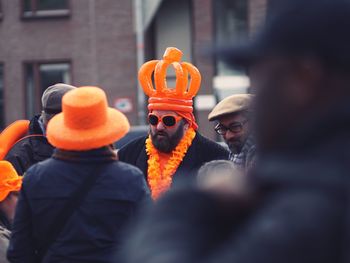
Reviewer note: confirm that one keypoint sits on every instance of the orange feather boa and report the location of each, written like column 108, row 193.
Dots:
column 160, row 181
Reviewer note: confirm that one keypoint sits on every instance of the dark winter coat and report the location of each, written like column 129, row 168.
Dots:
column 300, row 211
column 31, row 149
column 202, row 150
column 93, row 232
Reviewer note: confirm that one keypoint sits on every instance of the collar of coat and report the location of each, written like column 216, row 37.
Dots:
column 102, row 154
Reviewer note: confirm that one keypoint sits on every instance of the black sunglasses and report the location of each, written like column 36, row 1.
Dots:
column 167, row 120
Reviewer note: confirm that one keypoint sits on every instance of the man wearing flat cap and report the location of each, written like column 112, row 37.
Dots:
column 234, row 125
column 34, row 147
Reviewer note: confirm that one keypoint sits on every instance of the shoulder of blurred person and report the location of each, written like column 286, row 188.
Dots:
column 31, row 149
column 189, row 225
column 301, row 206
column 185, row 225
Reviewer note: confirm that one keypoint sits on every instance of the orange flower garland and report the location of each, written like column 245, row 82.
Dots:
column 160, row 181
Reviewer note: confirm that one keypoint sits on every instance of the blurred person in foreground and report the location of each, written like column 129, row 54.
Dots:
column 234, row 124
column 34, row 147
column 300, row 69
column 222, row 177
column 10, row 184
column 190, row 221
column 73, row 206
column 174, row 150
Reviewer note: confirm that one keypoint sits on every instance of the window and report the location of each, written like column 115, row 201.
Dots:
column 2, row 114
column 38, row 77
column 231, row 26
column 45, row 8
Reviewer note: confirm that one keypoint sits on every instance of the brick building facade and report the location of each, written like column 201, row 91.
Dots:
column 93, row 42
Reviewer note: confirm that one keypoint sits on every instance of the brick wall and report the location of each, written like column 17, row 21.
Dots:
column 203, row 37
column 97, row 38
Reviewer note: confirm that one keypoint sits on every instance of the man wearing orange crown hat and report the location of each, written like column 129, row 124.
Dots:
column 174, row 149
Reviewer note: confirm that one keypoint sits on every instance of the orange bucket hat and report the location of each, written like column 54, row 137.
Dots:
column 86, row 122
column 179, row 98
column 10, row 181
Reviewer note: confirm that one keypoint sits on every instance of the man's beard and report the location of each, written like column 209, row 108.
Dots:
column 165, row 143
column 235, row 146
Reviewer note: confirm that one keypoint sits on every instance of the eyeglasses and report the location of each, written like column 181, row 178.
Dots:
column 235, row 127
column 168, row 120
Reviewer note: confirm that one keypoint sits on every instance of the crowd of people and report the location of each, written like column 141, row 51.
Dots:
column 279, row 191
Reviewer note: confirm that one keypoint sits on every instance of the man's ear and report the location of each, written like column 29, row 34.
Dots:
column 186, row 126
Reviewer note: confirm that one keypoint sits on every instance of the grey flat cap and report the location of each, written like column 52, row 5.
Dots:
column 231, row 104
column 52, row 97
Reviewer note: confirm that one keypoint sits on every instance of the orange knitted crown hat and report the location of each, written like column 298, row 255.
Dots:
column 86, row 122
column 10, row 181
column 179, row 98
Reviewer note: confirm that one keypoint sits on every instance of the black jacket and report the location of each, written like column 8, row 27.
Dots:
column 299, row 210
column 202, row 150
column 92, row 234
column 31, row 149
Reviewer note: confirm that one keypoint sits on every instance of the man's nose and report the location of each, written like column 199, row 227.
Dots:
column 231, row 135
column 160, row 126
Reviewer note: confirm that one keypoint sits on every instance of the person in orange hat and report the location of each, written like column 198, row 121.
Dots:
column 10, row 184
column 174, row 148
column 74, row 205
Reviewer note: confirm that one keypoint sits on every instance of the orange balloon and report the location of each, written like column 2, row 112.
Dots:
column 14, row 132
column 182, row 90
column 145, row 77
